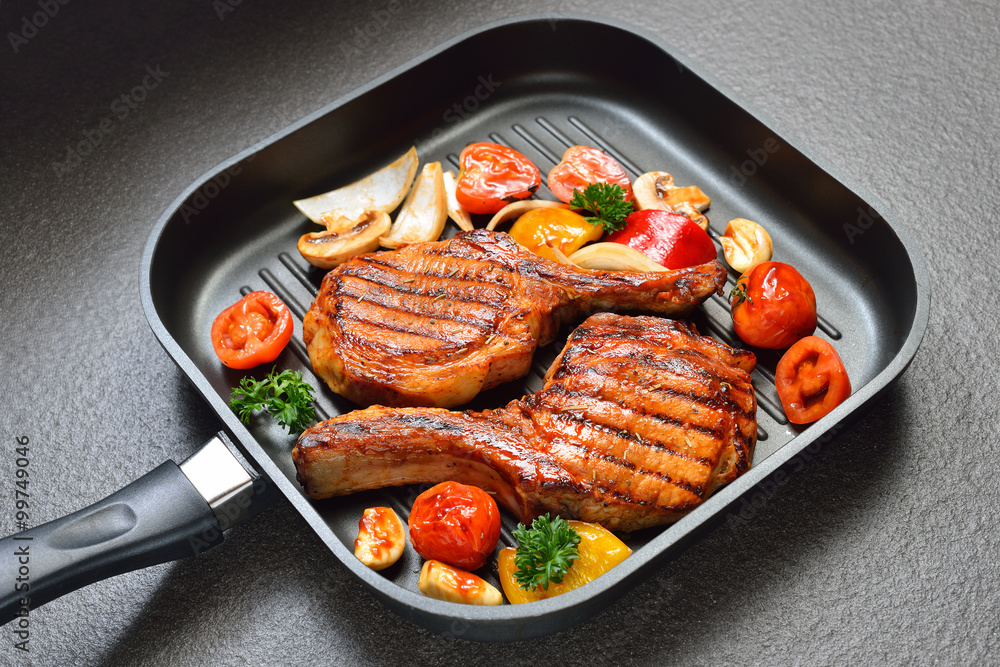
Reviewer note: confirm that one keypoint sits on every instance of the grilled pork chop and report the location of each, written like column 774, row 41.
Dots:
column 639, row 420
column 436, row 323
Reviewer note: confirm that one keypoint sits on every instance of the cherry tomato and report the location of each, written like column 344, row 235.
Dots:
column 542, row 229
column 670, row 239
column 773, row 306
column 492, row 176
column 811, row 380
column 252, row 331
column 455, row 523
column 583, row 165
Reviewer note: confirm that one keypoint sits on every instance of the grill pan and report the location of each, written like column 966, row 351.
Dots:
column 235, row 229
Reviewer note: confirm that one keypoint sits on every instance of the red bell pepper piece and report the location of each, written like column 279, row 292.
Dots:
column 670, row 239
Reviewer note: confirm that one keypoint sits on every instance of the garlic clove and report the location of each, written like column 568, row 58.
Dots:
column 610, row 256
column 444, row 582
column 381, row 191
column 424, row 212
column 344, row 238
column 745, row 244
column 381, row 538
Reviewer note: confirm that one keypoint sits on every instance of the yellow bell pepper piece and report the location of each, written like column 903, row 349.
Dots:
column 599, row 549
column 541, row 229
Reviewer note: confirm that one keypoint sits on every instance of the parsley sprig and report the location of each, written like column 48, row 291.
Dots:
column 545, row 552
column 606, row 202
column 739, row 294
column 285, row 396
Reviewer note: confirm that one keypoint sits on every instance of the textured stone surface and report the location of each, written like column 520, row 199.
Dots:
column 882, row 549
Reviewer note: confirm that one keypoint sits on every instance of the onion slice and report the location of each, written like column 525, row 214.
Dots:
column 461, row 217
column 609, row 256
column 381, row 191
column 519, row 208
column 424, row 212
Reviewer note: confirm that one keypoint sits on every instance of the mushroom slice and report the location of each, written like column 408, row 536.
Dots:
column 381, row 191
column 689, row 211
column 519, row 208
column 610, row 256
column 461, row 217
column 424, row 211
column 656, row 190
column 348, row 238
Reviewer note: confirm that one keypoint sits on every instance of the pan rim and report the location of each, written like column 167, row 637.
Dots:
column 490, row 623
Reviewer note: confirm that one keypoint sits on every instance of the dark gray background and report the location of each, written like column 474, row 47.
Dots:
column 882, row 549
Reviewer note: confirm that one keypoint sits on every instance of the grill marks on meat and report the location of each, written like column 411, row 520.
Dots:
column 639, row 421
column 436, row 323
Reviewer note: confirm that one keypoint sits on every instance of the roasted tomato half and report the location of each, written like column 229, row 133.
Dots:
column 455, row 523
column 583, row 165
column 811, row 380
column 773, row 306
column 492, row 176
column 670, row 239
column 252, row 331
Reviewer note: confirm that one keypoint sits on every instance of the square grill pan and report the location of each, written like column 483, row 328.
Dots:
column 235, row 230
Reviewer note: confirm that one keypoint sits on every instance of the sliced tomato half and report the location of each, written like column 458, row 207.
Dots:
column 583, row 165
column 252, row 331
column 492, row 176
column 811, row 380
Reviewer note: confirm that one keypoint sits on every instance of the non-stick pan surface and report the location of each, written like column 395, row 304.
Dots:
column 235, row 230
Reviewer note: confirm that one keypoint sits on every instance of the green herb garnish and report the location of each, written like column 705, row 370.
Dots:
column 545, row 552
column 606, row 202
column 739, row 293
column 285, row 396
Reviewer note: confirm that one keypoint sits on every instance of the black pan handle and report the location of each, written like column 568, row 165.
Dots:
column 171, row 512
